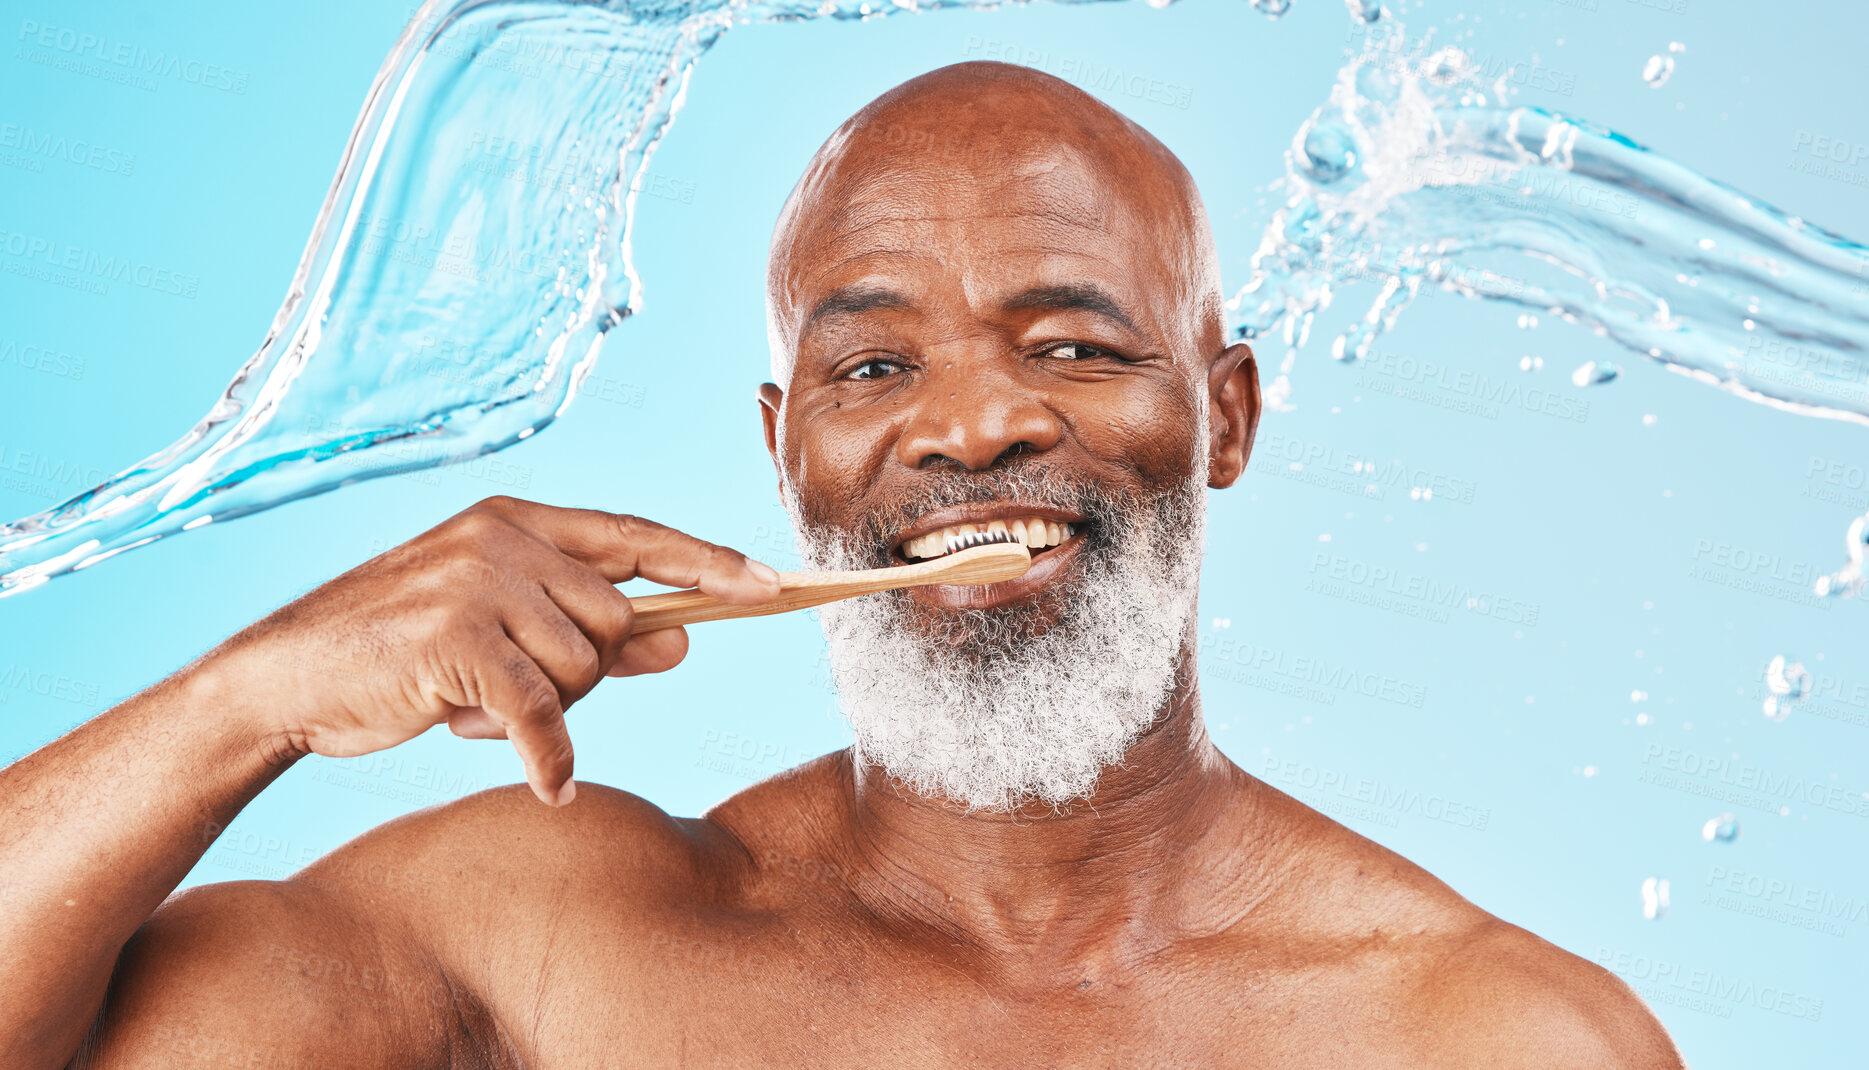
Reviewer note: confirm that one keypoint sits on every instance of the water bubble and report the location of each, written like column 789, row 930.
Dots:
column 1649, row 419
column 1656, row 71
column 1594, row 373
column 1528, row 320
column 1849, row 579
column 1655, row 898
column 1272, row 9
column 1326, row 151
column 1787, row 678
column 1722, row 829
column 1531, row 364
column 1638, row 696
column 1676, row 46
column 1367, row 10
column 1445, row 67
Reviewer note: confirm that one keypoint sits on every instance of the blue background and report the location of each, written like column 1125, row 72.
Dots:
column 1527, row 776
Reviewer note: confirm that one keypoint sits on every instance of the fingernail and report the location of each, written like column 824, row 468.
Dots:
column 763, row 571
column 568, row 792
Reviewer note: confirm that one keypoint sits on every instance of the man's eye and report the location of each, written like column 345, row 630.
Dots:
column 873, row 369
column 1077, row 351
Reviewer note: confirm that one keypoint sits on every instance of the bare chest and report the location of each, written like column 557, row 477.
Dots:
column 738, row 995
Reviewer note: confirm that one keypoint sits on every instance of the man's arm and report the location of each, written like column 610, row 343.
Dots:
column 493, row 623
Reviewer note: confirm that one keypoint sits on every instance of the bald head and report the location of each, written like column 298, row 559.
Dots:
column 979, row 147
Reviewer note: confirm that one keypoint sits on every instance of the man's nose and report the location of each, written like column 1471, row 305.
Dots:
column 972, row 415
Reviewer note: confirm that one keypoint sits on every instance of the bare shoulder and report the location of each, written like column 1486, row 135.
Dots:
column 408, row 941
column 495, row 859
column 1503, row 997
column 1474, row 990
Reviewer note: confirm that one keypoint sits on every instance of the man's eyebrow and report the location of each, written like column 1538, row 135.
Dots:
column 1079, row 295
column 853, row 300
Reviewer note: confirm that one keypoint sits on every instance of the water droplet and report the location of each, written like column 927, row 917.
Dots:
column 1328, row 152
column 1676, row 46
column 1594, row 373
column 1787, row 678
column 1527, row 320
column 1272, row 9
column 1656, row 71
column 1648, row 419
column 1367, row 10
column 1531, row 364
column 1722, row 829
column 1655, row 898
column 1638, row 696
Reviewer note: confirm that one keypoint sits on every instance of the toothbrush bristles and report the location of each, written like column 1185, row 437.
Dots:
column 978, row 538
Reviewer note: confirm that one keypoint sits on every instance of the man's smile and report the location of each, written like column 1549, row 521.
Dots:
column 1054, row 536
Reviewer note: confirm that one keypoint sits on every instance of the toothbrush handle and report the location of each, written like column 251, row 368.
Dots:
column 802, row 590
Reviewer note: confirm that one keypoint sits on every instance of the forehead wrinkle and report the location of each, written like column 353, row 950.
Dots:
column 987, row 134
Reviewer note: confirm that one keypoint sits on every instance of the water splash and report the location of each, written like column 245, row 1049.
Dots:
column 468, row 263
column 472, row 254
column 1418, row 171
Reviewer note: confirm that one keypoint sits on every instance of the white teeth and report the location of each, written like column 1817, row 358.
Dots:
column 1033, row 532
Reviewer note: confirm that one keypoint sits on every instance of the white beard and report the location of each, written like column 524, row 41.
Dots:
column 985, row 706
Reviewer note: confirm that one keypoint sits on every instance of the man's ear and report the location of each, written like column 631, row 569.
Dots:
column 770, row 398
column 1233, row 414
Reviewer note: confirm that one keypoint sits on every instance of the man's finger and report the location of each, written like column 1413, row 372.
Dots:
column 657, row 651
column 540, row 628
column 472, row 722
column 597, row 608
column 520, row 696
column 622, row 547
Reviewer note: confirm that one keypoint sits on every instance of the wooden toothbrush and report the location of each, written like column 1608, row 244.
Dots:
column 982, row 557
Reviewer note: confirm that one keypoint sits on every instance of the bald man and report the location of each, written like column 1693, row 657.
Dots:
column 1008, row 317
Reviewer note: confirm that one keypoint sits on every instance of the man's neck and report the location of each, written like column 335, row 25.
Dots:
column 1058, row 890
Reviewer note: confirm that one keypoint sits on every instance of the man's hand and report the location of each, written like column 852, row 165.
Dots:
column 495, row 621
